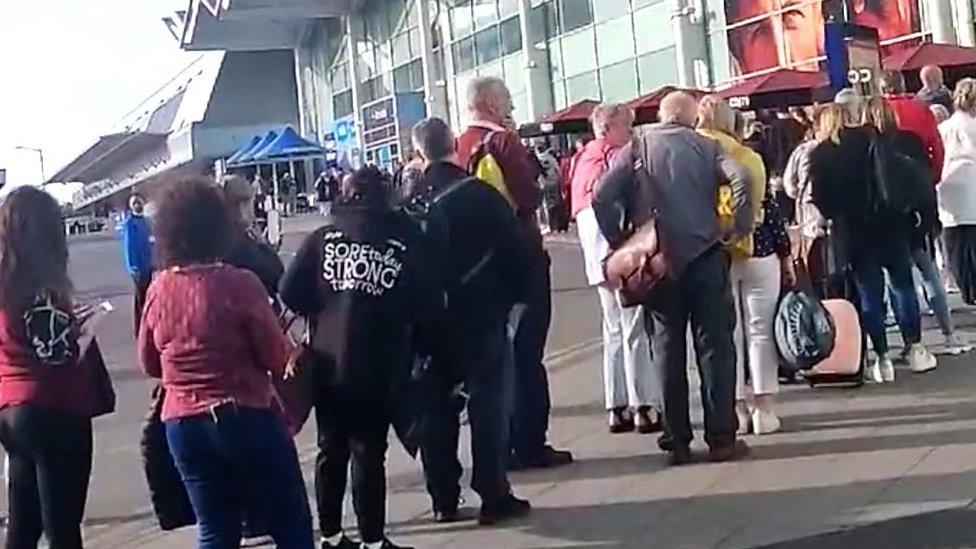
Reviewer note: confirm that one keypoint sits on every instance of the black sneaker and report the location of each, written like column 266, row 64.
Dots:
column 547, row 458
column 679, row 455
column 344, row 543
column 506, row 508
column 387, row 544
column 732, row 452
column 447, row 516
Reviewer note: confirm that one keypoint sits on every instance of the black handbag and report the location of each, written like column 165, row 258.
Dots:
column 170, row 501
column 103, row 393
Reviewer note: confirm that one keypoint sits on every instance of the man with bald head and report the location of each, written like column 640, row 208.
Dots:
column 677, row 174
column 933, row 89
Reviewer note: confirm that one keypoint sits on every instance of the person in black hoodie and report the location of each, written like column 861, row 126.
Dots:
column 844, row 180
column 478, row 240
column 369, row 288
column 250, row 250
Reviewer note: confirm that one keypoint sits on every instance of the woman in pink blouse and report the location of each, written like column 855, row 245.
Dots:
column 210, row 335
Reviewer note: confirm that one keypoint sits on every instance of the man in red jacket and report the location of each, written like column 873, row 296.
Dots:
column 490, row 108
column 914, row 116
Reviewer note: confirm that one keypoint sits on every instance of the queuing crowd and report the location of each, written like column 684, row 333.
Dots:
column 432, row 295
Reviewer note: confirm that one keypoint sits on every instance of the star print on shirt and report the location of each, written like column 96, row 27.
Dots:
column 51, row 332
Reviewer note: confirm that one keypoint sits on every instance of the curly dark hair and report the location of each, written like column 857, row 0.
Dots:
column 191, row 223
column 33, row 250
column 367, row 185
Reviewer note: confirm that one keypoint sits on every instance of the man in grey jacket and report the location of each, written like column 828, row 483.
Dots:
column 686, row 171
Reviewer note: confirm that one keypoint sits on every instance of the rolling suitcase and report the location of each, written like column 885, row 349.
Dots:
column 847, row 363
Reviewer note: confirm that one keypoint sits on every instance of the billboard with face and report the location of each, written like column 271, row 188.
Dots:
column 779, row 33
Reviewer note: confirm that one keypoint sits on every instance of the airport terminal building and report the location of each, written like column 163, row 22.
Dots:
column 367, row 69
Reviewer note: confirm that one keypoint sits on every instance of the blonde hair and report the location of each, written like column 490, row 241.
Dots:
column 714, row 113
column 964, row 96
column 878, row 113
column 828, row 121
column 604, row 115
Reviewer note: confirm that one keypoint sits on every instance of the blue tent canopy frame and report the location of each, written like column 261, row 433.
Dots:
column 274, row 147
column 234, row 158
column 248, row 157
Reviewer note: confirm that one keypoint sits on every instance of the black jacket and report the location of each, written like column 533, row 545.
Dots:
column 259, row 258
column 367, row 283
column 843, row 182
column 482, row 248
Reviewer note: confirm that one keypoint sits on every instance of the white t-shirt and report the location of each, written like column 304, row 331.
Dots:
column 957, row 190
column 595, row 246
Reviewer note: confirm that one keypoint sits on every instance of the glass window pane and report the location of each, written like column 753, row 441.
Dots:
column 488, row 45
column 507, row 8
column 520, row 104
column 514, row 73
column 619, row 82
column 462, row 23
column 550, row 14
column 417, row 75
column 604, row 10
column 655, row 28
column 721, row 68
column 342, row 104
column 579, row 55
column 485, row 13
column 584, row 86
column 575, row 14
column 413, row 19
column 559, row 94
column 415, row 43
column 491, row 69
column 658, row 69
column 396, row 12
column 641, row 3
column 401, row 79
column 615, row 41
column 340, row 77
column 384, row 59
column 511, row 36
column 401, row 49
column 464, row 54
column 555, row 59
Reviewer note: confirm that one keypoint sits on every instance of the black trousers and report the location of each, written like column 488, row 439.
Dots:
column 489, row 382
column 358, row 436
column 530, row 420
column 50, row 457
column 703, row 297
column 141, row 284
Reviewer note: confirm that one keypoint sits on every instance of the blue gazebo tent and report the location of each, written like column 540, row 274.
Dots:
column 233, row 159
column 248, row 157
column 287, row 147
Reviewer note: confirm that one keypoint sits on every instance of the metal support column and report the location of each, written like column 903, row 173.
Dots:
column 435, row 96
column 535, row 58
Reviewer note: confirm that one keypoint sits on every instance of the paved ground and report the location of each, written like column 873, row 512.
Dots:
column 882, row 466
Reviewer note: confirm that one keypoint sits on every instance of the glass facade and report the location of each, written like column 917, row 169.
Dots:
column 609, row 50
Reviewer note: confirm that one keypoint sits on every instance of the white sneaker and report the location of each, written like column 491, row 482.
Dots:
column 955, row 345
column 765, row 422
column 887, row 371
column 920, row 359
column 874, row 373
column 742, row 414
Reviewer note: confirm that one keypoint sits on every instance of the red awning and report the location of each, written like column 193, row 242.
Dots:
column 783, row 80
column 646, row 106
column 576, row 112
column 916, row 57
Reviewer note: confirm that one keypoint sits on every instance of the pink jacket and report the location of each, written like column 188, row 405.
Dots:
column 587, row 167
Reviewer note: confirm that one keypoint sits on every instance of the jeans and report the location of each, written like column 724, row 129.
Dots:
column 703, row 296
column 530, row 420
column 241, row 462
column 934, row 288
column 629, row 376
column 490, row 393
column 867, row 263
column 755, row 291
column 50, row 456
column 344, row 434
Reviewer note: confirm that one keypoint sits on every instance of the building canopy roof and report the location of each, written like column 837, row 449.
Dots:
column 288, row 146
column 916, row 57
column 248, row 156
column 646, row 106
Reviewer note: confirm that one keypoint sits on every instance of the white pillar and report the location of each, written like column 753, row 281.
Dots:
column 690, row 40
column 538, row 76
column 447, row 58
column 965, row 24
column 435, row 96
column 940, row 21
column 352, row 38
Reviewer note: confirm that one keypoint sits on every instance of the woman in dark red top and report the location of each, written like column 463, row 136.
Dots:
column 209, row 333
column 45, row 396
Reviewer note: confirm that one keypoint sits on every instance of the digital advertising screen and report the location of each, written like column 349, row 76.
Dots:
column 763, row 34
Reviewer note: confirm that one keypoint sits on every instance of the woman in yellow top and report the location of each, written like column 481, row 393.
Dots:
column 755, row 282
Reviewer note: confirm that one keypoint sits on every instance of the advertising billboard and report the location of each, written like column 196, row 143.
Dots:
column 764, row 34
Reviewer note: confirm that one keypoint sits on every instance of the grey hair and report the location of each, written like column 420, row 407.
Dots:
column 678, row 107
column 606, row 114
column 931, row 74
column 432, row 137
column 480, row 89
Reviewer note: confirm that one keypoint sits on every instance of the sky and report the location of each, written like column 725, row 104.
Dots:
column 71, row 69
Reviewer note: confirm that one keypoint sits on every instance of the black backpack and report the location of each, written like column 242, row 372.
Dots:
column 804, row 330
column 901, row 183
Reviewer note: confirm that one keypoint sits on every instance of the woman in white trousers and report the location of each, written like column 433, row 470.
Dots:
column 633, row 390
